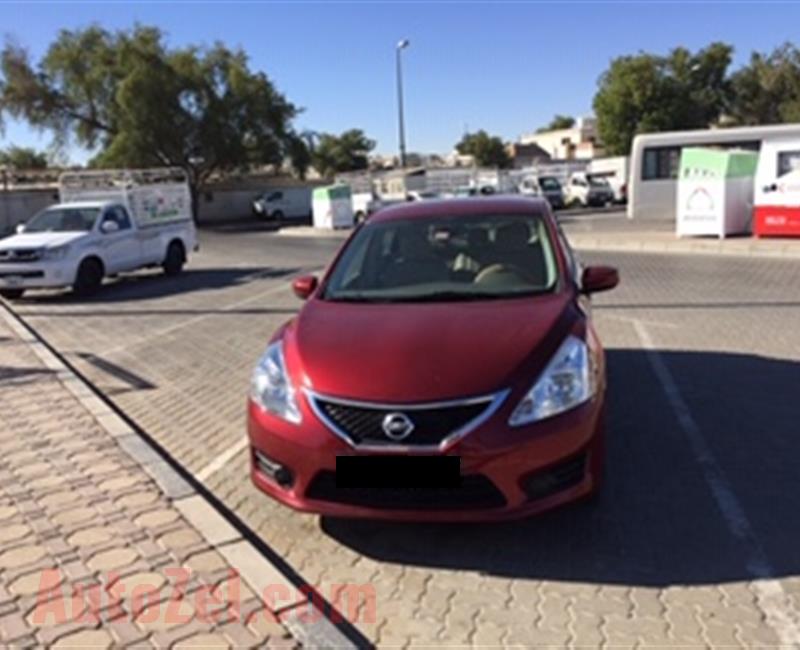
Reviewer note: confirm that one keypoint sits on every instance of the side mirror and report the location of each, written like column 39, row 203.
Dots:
column 304, row 286
column 599, row 278
column 20, row 228
column 108, row 226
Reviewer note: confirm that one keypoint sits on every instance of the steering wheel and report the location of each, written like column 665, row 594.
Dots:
column 498, row 272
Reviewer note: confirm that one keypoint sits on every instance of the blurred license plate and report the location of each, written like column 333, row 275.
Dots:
column 398, row 471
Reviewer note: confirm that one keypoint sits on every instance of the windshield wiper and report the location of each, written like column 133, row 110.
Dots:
column 438, row 296
column 362, row 299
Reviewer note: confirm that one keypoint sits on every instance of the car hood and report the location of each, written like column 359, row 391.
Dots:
column 40, row 239
column 424, row 352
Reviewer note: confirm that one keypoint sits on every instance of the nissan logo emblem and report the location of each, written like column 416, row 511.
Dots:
column 397, row 426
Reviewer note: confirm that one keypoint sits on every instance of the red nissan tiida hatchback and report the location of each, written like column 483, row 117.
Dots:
column 445, row 368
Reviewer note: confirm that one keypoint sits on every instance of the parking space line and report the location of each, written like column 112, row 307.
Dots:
column 772, row 598
column 631, row 319
column 220, row 461
column 194, row 319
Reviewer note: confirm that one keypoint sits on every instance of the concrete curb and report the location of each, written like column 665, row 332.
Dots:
column 752, row 249
column 255, row 568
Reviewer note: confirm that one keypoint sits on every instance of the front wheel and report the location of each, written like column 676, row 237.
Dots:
column 12, row 294
column 175, row 259
column 89, row 277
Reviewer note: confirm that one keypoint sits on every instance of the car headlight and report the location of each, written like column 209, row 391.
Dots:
column 568, row 381
column 271, row 387
column 55, row 253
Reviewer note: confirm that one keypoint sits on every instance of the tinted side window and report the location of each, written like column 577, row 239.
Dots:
column 660, row 163
column 788, row 161
column 123, row 220
column 118, row 215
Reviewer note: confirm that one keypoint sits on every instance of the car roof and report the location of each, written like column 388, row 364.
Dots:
column 477, row 205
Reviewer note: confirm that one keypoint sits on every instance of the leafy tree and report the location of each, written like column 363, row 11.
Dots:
column 414, row 159
column 488, row 150
column 23, row 158
column 341, row 153
column 646, row 92
column 767, row 89
column 141, row 103
column 558, row 122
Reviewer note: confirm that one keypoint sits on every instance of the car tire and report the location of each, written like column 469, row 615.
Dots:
column 175, row 259
column 359, row 216
column 12, row 294
column 277, row 216
column 89, row 277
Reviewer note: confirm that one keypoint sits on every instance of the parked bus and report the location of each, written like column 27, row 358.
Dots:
column 655, row 158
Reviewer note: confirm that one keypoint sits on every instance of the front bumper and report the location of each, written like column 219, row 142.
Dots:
column 35, row 275
column 527, row 470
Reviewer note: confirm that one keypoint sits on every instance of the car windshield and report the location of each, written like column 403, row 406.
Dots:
column 63, row 220
column 549, row 184
column 598, row 181
column 445, row 259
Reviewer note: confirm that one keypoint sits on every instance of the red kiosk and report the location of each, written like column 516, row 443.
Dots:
column 776, row 211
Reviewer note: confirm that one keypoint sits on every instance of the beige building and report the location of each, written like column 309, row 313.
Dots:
column 579, row 142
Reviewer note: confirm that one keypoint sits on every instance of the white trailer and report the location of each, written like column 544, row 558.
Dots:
column 284, row 203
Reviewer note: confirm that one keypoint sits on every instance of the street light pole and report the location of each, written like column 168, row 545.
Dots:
column 400, row 121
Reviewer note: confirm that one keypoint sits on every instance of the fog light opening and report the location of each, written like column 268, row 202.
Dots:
column 271, row 468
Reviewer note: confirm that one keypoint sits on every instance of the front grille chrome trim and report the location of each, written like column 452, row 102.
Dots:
column 492, row 401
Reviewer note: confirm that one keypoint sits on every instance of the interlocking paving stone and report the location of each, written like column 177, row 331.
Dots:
column 71, row 557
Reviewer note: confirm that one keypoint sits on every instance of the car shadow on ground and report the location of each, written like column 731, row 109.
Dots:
column 146, row 285
column 655, row 522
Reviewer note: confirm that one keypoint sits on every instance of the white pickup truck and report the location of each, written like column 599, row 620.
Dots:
column 105, row 223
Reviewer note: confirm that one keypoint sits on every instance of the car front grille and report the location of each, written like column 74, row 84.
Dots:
column 363, row 424
column 555, row 478
column 10, row 256
column 475, row 492
column 21, row 274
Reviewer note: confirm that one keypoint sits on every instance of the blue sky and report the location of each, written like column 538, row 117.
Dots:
column 505, row 67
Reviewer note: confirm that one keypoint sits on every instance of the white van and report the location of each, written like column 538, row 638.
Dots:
column 615, row 171
column 777, row 189
column 284, row 203
column 106, row 223
column 587, row 190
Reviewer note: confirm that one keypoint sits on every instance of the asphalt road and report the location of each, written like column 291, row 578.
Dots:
column 692, row 541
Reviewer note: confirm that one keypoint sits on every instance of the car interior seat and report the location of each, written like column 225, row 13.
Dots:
column 516, row 247
column 413, row 260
